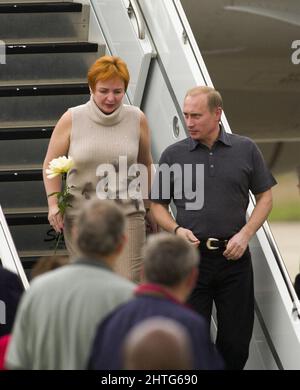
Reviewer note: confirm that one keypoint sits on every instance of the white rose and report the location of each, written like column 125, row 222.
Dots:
column 58, row 166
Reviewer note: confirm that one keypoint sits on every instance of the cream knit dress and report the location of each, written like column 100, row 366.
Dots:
column 97, row 138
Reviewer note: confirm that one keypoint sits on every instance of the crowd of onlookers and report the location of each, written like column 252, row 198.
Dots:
column 80, row 314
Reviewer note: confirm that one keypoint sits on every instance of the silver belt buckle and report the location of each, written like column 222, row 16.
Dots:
column 208, row 244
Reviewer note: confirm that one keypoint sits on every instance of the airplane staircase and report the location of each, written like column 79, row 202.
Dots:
column 47, row 57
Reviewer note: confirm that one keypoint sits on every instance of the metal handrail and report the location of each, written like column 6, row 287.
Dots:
column 133, row 9
column 8, row 252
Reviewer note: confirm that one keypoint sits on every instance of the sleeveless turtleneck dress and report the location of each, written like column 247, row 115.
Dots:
column 97, row 139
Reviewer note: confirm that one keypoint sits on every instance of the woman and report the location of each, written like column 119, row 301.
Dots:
column 98, row 133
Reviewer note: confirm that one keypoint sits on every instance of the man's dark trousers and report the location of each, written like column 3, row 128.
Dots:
column 229, row 283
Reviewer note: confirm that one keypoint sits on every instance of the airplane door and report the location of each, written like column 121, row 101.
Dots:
column 124, row 32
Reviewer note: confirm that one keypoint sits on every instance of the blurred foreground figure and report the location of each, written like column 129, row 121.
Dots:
column 57, row 318
column 170, row 272
column 158, row 344
column 11, row 290
column 48, row 263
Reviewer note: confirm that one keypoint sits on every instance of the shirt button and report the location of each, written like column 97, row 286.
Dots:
column 212, row 166
column 210, row 153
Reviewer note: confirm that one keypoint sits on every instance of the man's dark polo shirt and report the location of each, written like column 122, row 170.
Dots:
column 232, row 167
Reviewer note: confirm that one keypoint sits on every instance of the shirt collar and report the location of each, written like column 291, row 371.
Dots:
column 155, row 290
column 91, row 262
column 223, row 137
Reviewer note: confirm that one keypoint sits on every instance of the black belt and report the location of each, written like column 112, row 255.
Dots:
column 213, row 244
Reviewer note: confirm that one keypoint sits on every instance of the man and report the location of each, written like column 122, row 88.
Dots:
column 58, row 315
column 170, row 272
column 157, row 343
column 231, row 166
column 11, row 290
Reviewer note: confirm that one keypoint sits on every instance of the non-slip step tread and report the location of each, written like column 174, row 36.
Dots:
column 26, row 211
column 29, row 132
column 43, row 81
column 50, row 47
column 26, row 218
column 14, row 174
column 29, row 123
column 44, row 89
column 46, row 253
column 20, row 168
column 32, row 7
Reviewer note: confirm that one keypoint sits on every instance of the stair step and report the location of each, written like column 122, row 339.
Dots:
column 41, row 107
column 15, row 174
column 25, row 210
column 33, row 234
column 35, row 21
column 51, row 67
column 27, row 217
column 31, row 231
column 33, row 152
column 50, row 47
column 30, row 258
column 44, row 90
column 36, row 254
column 23, row 194
column 26, row 1
column 29, row 132
column 8, row 8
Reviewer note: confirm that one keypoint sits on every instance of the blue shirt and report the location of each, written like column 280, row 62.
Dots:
column 233, row 166
column 110, row 335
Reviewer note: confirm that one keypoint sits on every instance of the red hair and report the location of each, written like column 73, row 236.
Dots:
column 108, row 67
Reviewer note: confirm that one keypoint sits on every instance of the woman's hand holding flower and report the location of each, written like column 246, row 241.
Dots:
column 57, row 208
column 55, row 218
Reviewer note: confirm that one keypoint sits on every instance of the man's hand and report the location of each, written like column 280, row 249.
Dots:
column 236, row 246
column 188, row 235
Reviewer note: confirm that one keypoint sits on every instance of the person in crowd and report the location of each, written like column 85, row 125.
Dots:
column 48, row 263
column 297, row 278
column 58, row 315
column 11, row 290
column 157, row 343
column 211, row 201
column 170, row 272
column 103, row 132
column 297, row 285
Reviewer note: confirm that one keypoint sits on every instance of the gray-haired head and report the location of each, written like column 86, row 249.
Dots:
column 168, row 259
column 157, row 343
column 100, row 228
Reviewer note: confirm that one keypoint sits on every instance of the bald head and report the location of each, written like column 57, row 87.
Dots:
column 157, row 343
